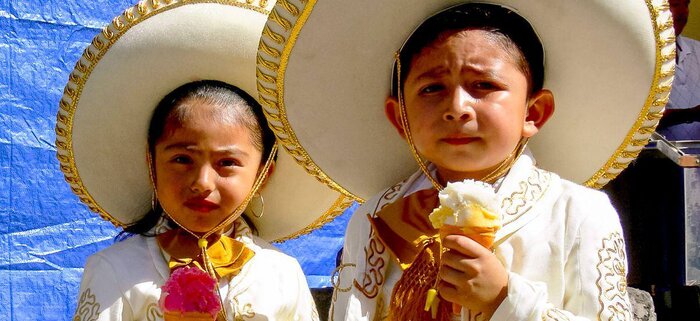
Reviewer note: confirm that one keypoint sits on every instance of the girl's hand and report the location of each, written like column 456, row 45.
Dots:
column 472, row 276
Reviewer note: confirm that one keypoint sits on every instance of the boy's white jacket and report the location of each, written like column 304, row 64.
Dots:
column 123, row 281
column 562, row 244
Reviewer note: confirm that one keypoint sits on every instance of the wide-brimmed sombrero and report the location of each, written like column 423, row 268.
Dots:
column 149, row 50
column 327, row 67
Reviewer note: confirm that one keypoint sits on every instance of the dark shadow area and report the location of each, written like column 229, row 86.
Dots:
column 649, row 197
column 322, row 296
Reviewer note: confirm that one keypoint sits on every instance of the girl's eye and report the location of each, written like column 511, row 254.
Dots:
column 432, row 88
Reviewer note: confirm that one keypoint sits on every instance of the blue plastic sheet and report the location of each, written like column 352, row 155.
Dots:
column 46, row 234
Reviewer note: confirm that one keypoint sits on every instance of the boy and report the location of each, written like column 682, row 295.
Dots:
column 467, row 95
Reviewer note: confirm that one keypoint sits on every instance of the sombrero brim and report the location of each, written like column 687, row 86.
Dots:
column 327, row 70
column 141, row 56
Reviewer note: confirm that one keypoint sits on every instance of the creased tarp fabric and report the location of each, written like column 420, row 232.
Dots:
column 46, row 234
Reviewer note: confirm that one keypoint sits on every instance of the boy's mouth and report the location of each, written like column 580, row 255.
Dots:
column 201, row 205
column 458, row 140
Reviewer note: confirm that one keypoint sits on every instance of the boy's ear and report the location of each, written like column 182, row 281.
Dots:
column 392, row 110
column 540, row 109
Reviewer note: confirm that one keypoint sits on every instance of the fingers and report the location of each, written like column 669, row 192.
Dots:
column 452, row 276
column 459, row 262
column 464, row 245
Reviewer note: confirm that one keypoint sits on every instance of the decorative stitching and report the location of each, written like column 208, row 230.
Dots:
column 528, row 193
column 612, row 279
column 88, row 308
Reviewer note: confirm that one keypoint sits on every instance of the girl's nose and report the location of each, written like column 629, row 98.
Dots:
column 461, row 106
column 203, row 182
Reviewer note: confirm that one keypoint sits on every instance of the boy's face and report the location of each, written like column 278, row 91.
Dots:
column 467, row 103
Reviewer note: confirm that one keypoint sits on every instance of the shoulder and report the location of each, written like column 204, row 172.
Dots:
column 689, row 42
column 576, row 193
column 585, row 206
column 124, row 251
column 269, row 257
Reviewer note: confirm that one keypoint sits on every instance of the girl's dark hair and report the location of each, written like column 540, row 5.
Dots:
column 509, row 27
column 238, row 107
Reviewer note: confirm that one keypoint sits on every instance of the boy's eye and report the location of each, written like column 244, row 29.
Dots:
column 181, row 159
column 432, row 88
column 229, row 163
column 485, row 85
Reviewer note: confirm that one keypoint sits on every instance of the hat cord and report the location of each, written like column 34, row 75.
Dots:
column 202, row 240
column 432, row 301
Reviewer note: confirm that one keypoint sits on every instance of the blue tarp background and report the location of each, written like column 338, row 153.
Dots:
column 46, row 234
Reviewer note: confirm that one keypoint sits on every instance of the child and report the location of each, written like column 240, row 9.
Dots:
column 467, row 96
column 208, row 155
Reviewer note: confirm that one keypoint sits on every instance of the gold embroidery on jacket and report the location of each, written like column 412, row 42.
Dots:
column 554, row 314
column 244, row 312
column 530, row 190
column 612, row 279
column 88, row 308
column 373, row 277
column 153, row 312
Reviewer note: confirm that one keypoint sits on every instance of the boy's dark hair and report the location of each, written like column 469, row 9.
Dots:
column 211, row 91
column 496, row 19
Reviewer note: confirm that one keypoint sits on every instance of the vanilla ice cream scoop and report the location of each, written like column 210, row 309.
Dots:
column 468, row 208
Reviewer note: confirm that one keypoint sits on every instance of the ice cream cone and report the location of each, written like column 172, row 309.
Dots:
column 483, row 235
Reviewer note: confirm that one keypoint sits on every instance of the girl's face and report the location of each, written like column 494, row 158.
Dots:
column 466, row 100
column 204, row 168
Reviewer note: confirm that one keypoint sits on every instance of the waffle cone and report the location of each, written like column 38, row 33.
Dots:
column 482, row 235
column 187, row 316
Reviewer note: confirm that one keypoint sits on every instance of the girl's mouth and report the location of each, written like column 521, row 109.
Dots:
column 201, row 205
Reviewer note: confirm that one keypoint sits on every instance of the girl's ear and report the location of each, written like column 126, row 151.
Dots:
column 540, row 109
column 270, row 171
column 392, row 110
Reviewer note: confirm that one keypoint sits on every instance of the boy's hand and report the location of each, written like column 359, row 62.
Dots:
column 472, row 276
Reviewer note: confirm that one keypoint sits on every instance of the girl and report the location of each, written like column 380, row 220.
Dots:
column 158, row 118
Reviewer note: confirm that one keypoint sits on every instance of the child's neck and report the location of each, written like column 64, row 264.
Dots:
column 445, row 175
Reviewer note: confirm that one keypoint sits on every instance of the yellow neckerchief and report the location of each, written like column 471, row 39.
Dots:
column 404, row 227
column 227, row 255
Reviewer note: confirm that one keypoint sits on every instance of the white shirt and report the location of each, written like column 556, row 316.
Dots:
column 123, row 283
column 562, row 244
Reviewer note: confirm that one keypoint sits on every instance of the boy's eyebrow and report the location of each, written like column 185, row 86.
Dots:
column 433, row 73
column 441, row 70
column 232, row 149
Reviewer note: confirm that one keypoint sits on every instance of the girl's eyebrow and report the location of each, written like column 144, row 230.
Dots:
column 191, row 147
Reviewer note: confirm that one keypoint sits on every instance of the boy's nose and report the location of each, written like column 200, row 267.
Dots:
column 461, row 107
column 203, row 182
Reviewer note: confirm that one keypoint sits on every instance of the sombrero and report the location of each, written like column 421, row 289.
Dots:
column 326, row 71
column 146, row 52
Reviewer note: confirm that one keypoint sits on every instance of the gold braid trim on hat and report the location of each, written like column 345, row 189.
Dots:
column 84, row 67
column 338, row 207
column 273, row 53
column 278, row 38
column 640, row 133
